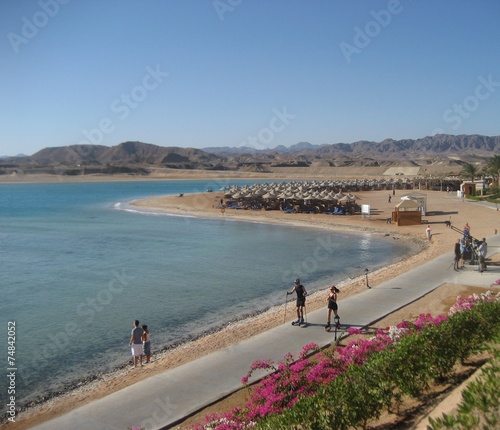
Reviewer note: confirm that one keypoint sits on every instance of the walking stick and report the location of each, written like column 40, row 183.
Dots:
column 286, row 301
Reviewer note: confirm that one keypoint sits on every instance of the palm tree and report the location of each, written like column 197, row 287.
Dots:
column 469, row 170
column 493, row 168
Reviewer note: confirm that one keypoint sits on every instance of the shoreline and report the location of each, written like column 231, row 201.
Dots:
column 79, row 386
column 203, row 205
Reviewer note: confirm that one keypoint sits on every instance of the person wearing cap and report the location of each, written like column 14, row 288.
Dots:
column 332, row 306
column 301, row 292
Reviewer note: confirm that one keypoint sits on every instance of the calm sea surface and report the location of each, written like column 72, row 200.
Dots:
column 77, row 266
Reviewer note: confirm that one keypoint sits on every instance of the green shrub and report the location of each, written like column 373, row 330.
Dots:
column 480, row 405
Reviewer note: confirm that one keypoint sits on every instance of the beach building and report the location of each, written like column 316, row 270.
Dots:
column 410, row 210
column 471, row 187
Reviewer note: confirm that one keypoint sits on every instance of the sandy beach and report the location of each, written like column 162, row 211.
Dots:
column 441, row 207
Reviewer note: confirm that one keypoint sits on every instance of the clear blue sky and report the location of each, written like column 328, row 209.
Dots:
column 197, row 73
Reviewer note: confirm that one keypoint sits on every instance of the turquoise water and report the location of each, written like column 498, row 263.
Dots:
column 78, row 266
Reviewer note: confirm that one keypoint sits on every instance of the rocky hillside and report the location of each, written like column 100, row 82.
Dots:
column 441, row 145
column 438, row 154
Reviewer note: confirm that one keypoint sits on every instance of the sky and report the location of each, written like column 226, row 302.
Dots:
column 195, row 73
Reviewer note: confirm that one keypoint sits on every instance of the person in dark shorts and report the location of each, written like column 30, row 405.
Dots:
column 146, row 343
column 301, row 292
column 458, row 254
column 332, row 306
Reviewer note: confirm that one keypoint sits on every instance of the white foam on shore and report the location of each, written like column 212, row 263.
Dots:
column 126, row 207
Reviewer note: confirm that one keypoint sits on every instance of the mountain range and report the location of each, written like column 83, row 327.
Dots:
column 443, row 153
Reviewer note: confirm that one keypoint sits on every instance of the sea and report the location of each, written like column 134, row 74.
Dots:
column 78, row 264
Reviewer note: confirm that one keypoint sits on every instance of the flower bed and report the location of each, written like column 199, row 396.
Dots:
column 347, row 386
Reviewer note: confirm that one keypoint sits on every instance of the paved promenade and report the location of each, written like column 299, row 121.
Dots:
column 161, row 401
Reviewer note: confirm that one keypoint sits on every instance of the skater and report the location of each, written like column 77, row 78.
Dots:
column 458, row 254
column 332, row 306
column 301, row 292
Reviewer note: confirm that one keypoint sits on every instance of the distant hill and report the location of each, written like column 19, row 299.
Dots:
column 124, row 154
column 440, row 153
column 441, row 144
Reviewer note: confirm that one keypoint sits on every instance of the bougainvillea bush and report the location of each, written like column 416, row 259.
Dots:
column 347, row 386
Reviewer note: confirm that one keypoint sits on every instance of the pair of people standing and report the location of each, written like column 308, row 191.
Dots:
column 301, row 292
column 140, row 343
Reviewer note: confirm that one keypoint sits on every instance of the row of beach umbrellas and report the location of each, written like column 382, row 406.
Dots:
column 312, row 190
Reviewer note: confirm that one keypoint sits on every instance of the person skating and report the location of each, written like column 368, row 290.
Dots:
column 332, row 306
column 301, row 292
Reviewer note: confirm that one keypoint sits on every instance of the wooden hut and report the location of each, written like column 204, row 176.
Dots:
column 407, row 212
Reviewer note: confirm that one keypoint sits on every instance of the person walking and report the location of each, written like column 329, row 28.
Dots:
column 146, row 343
column 458, row 254
column 136, row 343
column 332, row 306
column 301, row 292
column 428, row 232
column 482, row 250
